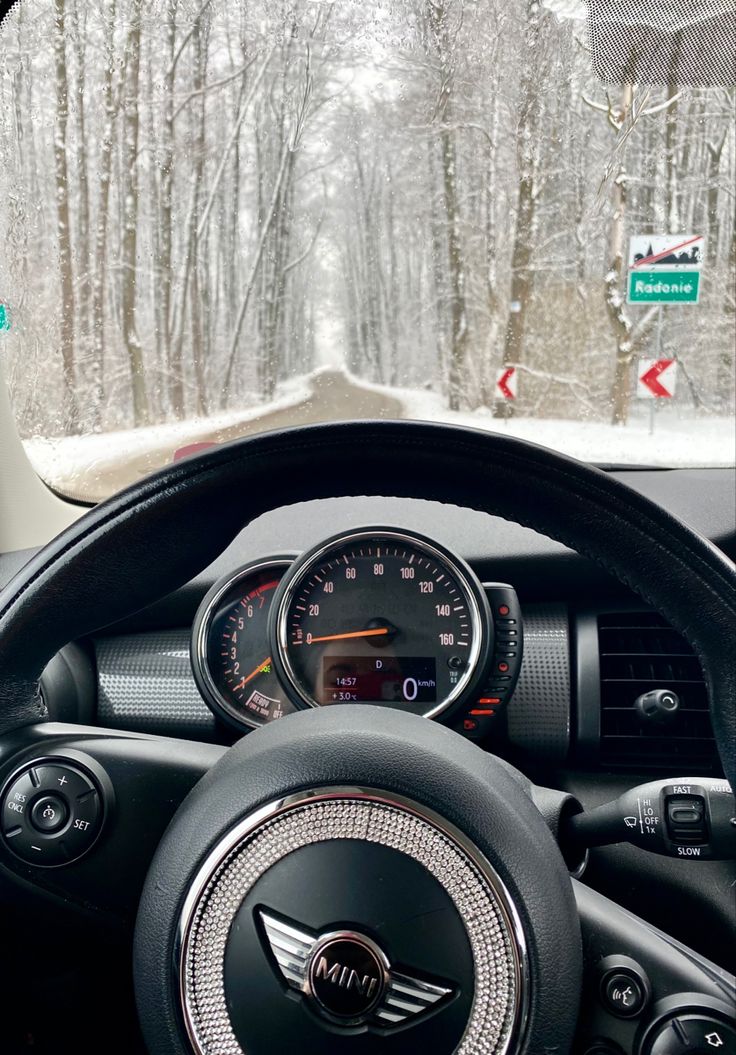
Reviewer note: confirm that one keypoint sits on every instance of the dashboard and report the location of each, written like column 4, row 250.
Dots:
column 584, row 647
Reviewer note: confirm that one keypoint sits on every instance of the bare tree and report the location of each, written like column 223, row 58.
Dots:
column 129, row 198
column 441, row 34
column 97, row 308
column 68, row 318
column 527, row 140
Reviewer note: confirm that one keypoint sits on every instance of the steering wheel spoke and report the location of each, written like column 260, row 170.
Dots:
column 637, row 982
column 82, row 811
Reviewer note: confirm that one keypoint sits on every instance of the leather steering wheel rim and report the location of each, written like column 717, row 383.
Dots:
column 153, row 537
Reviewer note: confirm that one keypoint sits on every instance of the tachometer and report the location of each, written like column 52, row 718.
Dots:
column 380, row 616
column 230, row 650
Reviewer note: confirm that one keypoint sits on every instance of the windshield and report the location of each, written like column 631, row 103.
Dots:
column 225, row 217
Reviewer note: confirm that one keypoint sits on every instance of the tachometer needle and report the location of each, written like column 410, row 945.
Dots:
column 354, row 633
column 259, row 670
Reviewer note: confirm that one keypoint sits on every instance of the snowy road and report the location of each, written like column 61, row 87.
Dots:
column 93, row 467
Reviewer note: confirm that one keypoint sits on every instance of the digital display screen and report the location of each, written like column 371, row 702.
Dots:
column 382, row 679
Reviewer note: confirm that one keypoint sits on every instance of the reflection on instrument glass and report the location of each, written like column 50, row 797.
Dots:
column 230, row 650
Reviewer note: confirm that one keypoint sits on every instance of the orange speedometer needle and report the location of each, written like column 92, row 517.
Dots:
column 259, row 670
column 354, row 633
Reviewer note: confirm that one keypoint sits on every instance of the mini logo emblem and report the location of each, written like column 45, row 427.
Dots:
column 347, row 976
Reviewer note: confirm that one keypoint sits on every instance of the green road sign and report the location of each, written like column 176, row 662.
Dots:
column 664, row 287
column 665, row 268
column 4, row 318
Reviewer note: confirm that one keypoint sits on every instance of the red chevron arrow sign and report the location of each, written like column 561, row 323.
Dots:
column 657, row 378
column 506, row 383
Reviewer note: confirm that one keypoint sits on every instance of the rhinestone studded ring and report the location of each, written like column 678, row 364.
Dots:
column 257, row 843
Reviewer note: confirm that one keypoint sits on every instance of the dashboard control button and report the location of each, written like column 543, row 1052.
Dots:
column 49, row 813
column 508, row 639
column 623, row 994
column 695, row 1033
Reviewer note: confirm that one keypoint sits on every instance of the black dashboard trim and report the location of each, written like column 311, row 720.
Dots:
column 586, row 701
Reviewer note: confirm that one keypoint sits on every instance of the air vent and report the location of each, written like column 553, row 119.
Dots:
column 639, row 651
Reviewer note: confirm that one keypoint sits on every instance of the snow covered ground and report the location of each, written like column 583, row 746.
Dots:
column 93, row 467
column 676, row 442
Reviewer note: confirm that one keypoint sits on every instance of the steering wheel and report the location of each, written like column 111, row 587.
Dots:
column 347, row 879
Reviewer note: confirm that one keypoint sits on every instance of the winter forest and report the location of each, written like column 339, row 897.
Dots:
column 202, row 199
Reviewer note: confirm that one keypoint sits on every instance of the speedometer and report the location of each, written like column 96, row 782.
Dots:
column 384, row 617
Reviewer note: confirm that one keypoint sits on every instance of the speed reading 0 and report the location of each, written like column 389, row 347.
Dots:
column 380, row 616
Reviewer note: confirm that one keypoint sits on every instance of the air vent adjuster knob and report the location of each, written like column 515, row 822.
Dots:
column 658, row 706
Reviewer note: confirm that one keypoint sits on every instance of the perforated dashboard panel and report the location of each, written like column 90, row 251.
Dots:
column 145, row 684
column 540, row 709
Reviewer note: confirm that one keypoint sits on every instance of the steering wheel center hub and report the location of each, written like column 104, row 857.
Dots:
column 344, row 912
column 420, row 908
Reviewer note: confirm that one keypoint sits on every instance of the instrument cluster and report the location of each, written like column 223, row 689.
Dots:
column 377, row 615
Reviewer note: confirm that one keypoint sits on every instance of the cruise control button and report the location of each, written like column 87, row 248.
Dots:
column 17, row 801
column 85, row 824
column 49, row 813
column 63, row 780
column 623, row 994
